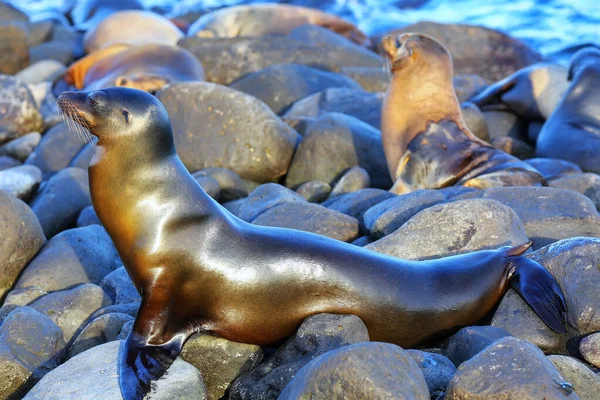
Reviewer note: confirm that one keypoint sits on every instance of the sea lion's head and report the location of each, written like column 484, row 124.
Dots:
column 113, row 114
column 409, row 51
column 582, row 59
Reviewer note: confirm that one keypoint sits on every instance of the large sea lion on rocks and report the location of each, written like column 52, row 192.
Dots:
column 264, row 19
column 426, row 142
column 572, row 132
column 200, row 269
column 148, row 67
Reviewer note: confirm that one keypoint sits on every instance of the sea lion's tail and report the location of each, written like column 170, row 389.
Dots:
column 538, row 288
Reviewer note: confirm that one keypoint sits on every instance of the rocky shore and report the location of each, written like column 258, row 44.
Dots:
column 285, row 132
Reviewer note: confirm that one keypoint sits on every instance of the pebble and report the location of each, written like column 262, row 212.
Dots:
column 20, row 114
column 590, row 349
column 42, row 71
column 314, row 191
column 586, row 384
column 21, row 147
column 119, row 287
column 353, row 180
column 102, row 329
column 231, row 186
column 587, row 184
column 262, row 199
column 470, row 341
column 14, row 50
column 437, row 370
column 21, row 182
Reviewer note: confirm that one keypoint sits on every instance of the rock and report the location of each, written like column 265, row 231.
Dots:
column 8, row 12
column 19, row 297
column 30, row 346
column 54, row 50
column 105, row 328
column 357, row 203
column 333, row 144
column 507, row 369
column 279, row 86
column 8, row 162
column 553, row 168
column 362, row 241
column 209, row 184
column 467, row 86
column 344, row 51
column 227, row 59
column 454, row 228
column 505, row 124
column 310, row 217
column 355, row 179
column 220, row 361
column 39, row 32
column 514, row 147
column 73, row 257
column 21, row 147
column 21, row 181
column 475, row 121
column 590, row 349
column 22, row 237
column 314, row 191
column 437, row 370
column 215, row 126
column 119, row 287
column 20, row 114
column 87, row 216
column 357, row 103
column 93, row 375
column 587, row 184
column 59, row 202
column 585, row 383
column 371, row 79
column 263, row 198
column 389, row 215
column 361, row 371
column 548, row 214
column 126, row 330
column 42, row 71
column 533, row 131
column 83, row 157
column 490, row 54
column 317, row 335
column 127, row 308
column 70, row 309
column 58, row 146
column 470, row 341
column 13, row 48
column 232, row 187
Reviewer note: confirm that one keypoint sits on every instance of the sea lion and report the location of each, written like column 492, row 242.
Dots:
column 425, row 140
column 87, row 13
column 532, row 92
column 134, row 27
column 264, row 19
column 148, row 67
column 198, row 268
column 572, row 132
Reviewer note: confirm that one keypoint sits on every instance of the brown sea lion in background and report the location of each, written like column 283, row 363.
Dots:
column 147, row 67
column 572, row 132
column 532, row 92
column 426, row 142
column 264, row 19
column 133, row 27
column 88, row 13
column 200, row 269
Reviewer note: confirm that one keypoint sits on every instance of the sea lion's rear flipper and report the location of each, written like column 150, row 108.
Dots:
column 141, row 363
column 493, row 94
column 540, row 291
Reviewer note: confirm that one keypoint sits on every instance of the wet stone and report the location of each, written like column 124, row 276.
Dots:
column 119, row 287
column 21, row 147
column 232, row 187
column 587, row 184
column 553, row 168
column 87, row 216
column 314, row 191
column 21, row 181
column 590, row 349
column 103, row 329
column 262, row 199
column 19, row 297
column 586, row 384
column 357, row 203
column 353, row 180
column 20, row 114
column 470, row 341
column 437, row 370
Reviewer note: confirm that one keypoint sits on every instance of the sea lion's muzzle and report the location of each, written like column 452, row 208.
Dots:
column 77, row 107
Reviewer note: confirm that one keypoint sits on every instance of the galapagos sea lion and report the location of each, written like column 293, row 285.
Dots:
column 532, row 92
column 572, row 132
column 87, row 13
column 198, row 268
column 148, row 67
column 264, row 19
column 425, row 140
column 134, row 27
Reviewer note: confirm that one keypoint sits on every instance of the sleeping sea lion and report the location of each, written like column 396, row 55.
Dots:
column 198, row 268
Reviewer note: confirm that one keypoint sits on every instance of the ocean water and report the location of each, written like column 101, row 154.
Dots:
column 546, row 25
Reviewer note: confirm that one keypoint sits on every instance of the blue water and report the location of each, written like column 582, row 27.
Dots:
column 546, row 25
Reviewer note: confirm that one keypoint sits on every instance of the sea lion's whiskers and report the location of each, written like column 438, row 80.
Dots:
column 75, row 122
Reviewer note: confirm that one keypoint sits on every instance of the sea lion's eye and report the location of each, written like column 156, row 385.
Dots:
column 93, row 102
column 126, row 115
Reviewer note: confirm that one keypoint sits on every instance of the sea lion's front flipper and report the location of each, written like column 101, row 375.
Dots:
column 540, row 291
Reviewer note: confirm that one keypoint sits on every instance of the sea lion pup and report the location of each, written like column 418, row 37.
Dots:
column 532, row 92
column 263, row 19
column 200, row 269
column 134, row 27
column 425, row 140
column 572, row 132
column 148, row 67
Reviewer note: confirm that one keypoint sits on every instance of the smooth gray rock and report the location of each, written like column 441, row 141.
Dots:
column 475, row 121
column 454, row 228
column 585, row 382
column 470, row 341
column 314, row 191
column 467, row 86
column 20, row 114
column 209, row 184
column 119, row 287
column 553, row 168
column 371, row 79
column 21, row 182
column 102, row 329
column 515, row 147
column 21, row 147
column 263, row 198
column 231, row 186
column 19, row 297
column 357, row 203
column 505, row 124
column 41, row 71
column 310, row 217
column 53, row 50
column 437, row 370
column 8, row 162
column 353, row 180
column 587, row 184
column 361, row 371
column 227, row 128
column 22, row 237
column 87, row 216
column 93, row 375
column 73, row 257
column 14, row 50
column 590, row 349
column 508, row 369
